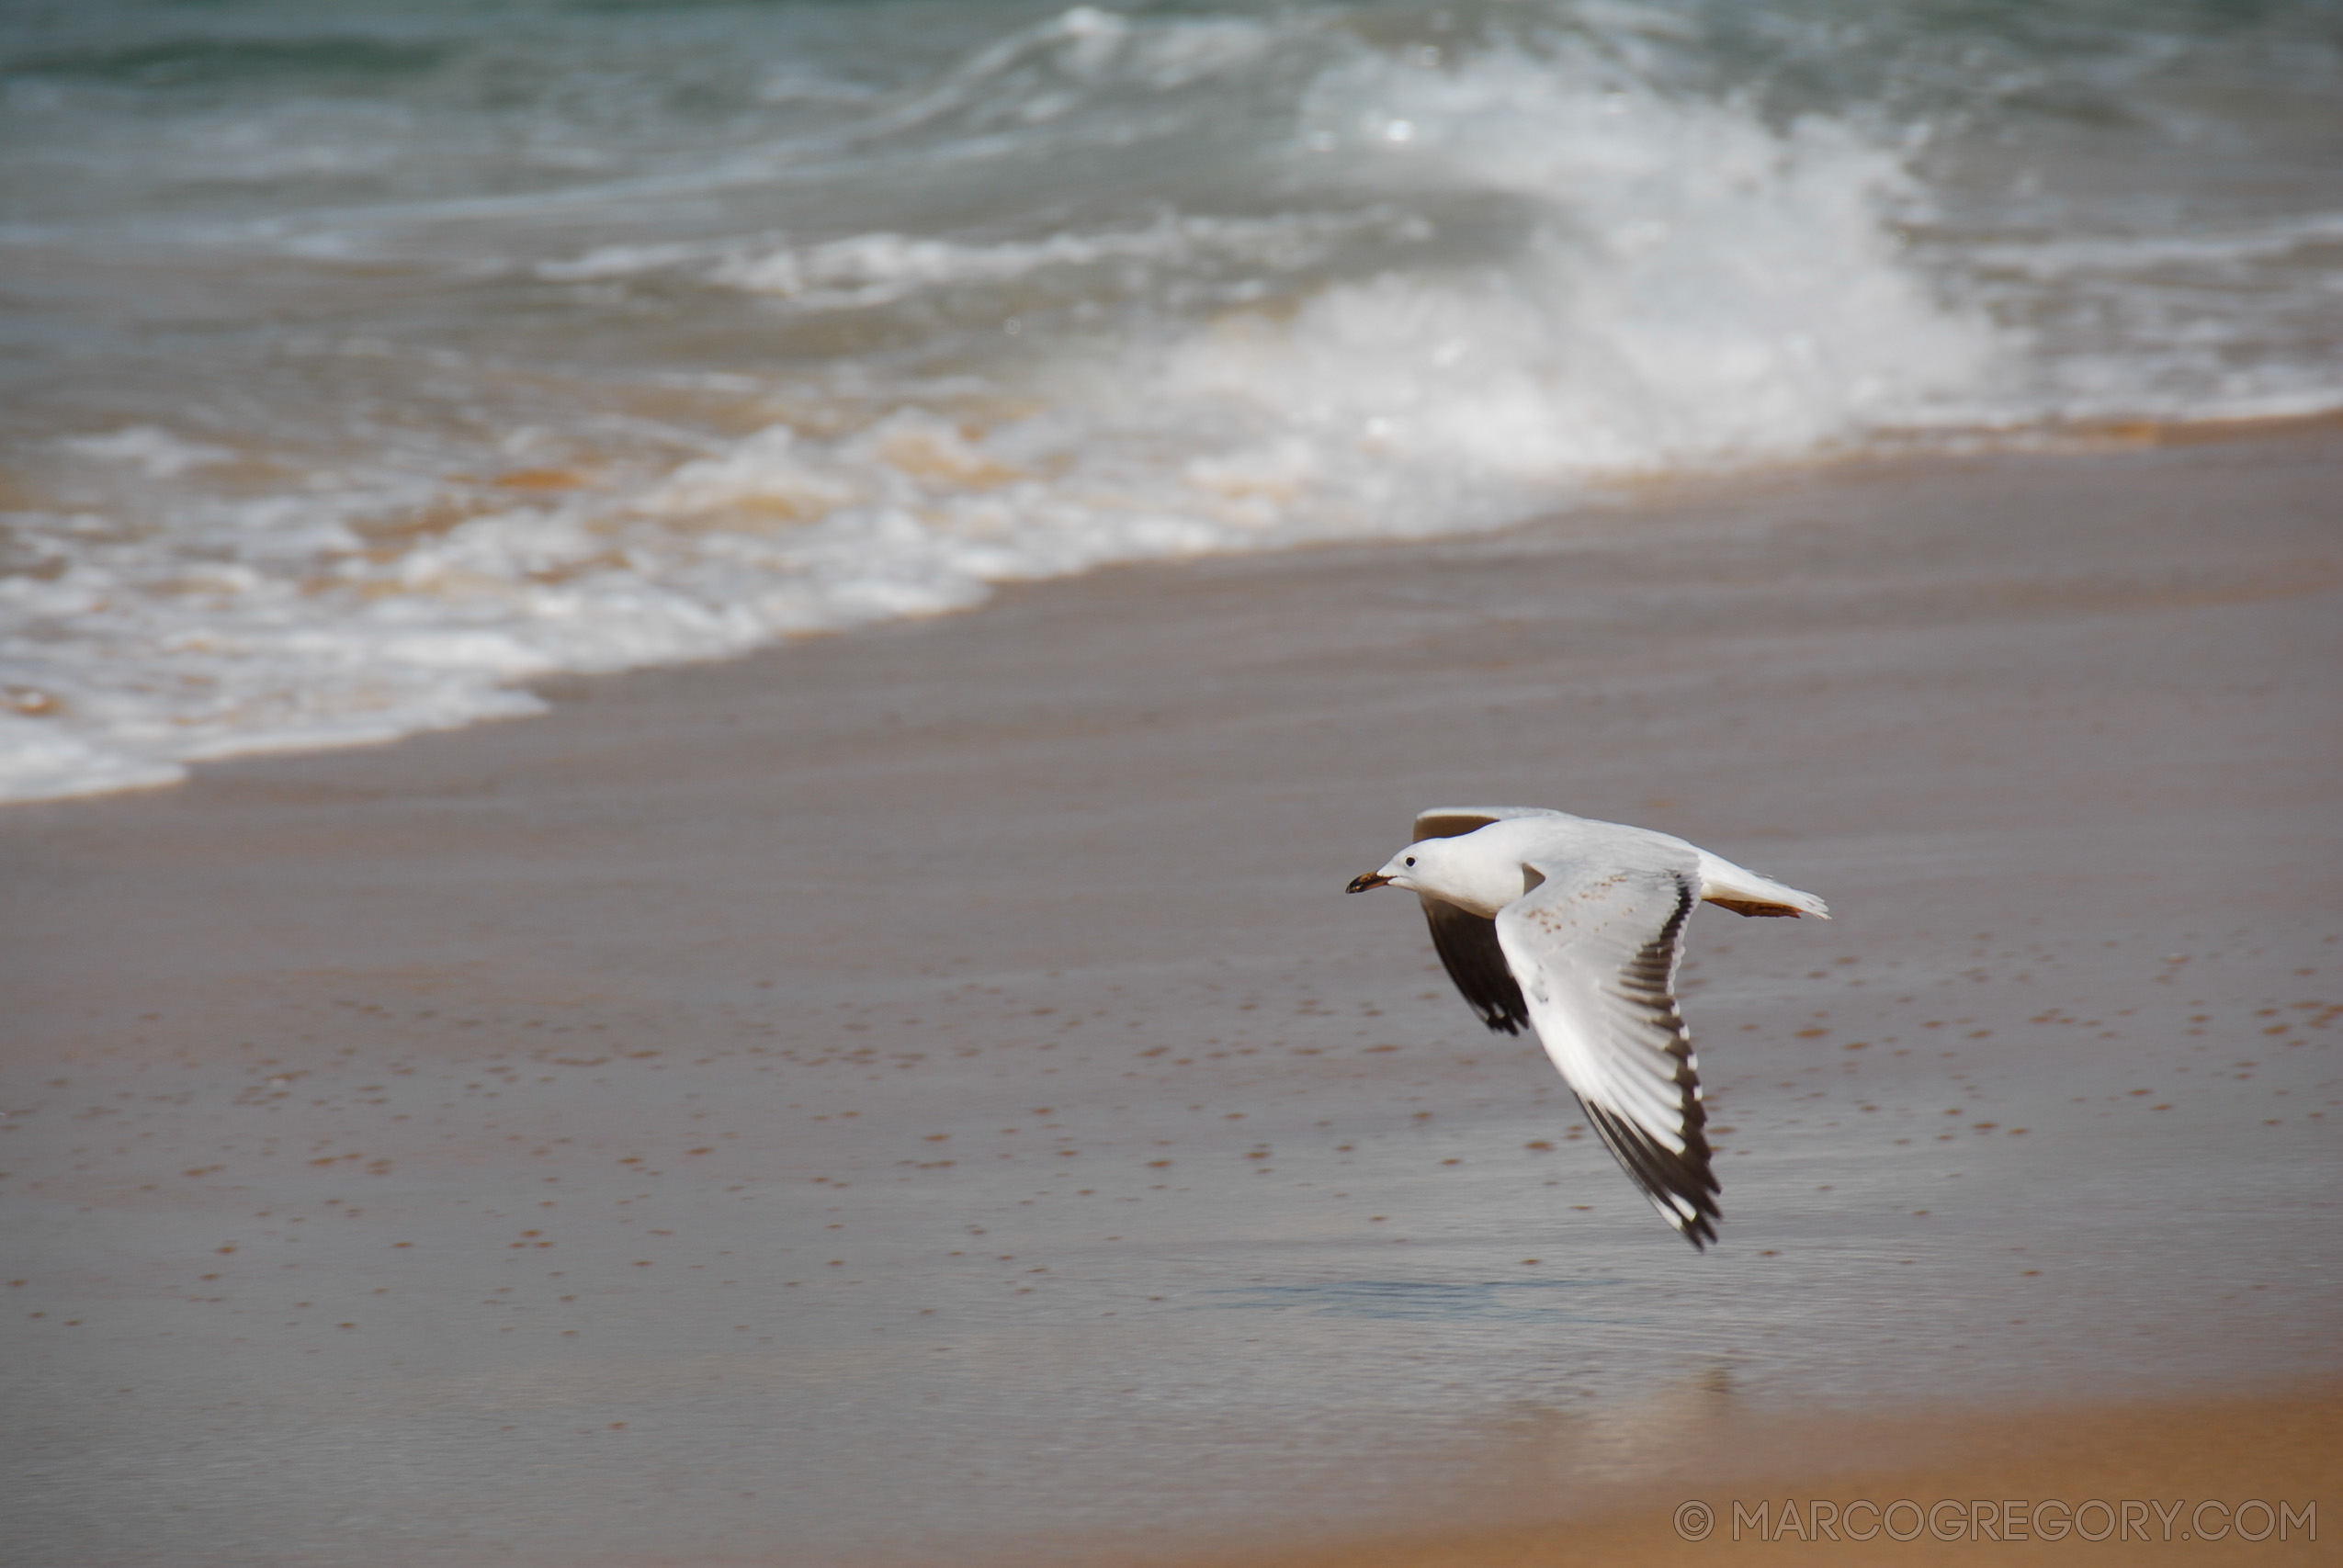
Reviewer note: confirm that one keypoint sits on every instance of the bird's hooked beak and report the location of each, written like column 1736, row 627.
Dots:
column 1370, row 879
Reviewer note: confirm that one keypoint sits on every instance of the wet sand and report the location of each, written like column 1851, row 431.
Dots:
column 921, row 1095
column 2014, row 1485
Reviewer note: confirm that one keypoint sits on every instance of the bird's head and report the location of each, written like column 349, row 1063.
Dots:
column 1416, row 868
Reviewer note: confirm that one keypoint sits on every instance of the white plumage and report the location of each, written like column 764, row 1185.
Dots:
column 1576, row 928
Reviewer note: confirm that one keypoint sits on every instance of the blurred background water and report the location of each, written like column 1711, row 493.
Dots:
column 366, row 358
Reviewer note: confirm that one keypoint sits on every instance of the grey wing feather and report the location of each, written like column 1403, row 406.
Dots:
column 1596, row 953
column 1683, row 1177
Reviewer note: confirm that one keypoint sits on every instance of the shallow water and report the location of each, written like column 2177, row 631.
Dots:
column 366, row 363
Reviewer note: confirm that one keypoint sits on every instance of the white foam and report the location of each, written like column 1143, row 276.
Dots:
column 884, row 269
column 144, row 446
column 41, row 760
column 1455, row 289
column 1695, row 288
column 632, row 260
column 2066, row 255
column 1702, row 287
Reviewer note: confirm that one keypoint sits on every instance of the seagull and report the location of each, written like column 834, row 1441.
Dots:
column 1576, row 928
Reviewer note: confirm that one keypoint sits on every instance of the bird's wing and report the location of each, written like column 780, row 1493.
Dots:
column 1595, row 950
column 1456, row 821
column 1468, row 945
column 1467, row 942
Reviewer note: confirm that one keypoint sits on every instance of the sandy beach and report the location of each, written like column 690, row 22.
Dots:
column 921, row 1095
column 2011, row 1484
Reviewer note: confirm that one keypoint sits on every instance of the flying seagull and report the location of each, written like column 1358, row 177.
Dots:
column 1577, row 927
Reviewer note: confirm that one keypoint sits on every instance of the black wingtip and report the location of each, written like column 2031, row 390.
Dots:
column 1672, row 1182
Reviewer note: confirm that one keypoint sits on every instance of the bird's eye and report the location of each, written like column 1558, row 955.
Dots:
column 1411, row 860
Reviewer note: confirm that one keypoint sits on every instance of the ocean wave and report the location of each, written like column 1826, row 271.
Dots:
column 2066, row 256
column 639, row 383
column 885, row 268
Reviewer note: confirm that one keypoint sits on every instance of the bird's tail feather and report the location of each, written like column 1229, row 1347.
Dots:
column 1746, row 893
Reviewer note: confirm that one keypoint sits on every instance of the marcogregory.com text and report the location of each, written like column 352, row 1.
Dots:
column 2000, row 1519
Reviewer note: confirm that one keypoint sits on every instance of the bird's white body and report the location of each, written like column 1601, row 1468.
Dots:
column 1483, row 870
column 1577, row 927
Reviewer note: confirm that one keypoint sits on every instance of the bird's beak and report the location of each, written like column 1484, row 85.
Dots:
column 1370, row 879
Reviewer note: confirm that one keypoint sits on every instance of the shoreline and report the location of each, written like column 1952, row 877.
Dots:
column 1612, row 498
column 921, row 1095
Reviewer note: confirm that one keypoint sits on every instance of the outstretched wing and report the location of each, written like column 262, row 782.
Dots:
column 1595, row 951
column 1456, row 821
column 1467, row 943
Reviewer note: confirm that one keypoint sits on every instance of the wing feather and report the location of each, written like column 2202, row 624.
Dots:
column 1468, row 944
column 1456, row 821
column 1595, row 952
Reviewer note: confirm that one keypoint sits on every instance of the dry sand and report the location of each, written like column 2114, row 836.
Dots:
column 921, row 1095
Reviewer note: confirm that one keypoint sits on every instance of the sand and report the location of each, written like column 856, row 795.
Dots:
column 921, row 1095
column 2015, row 1485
